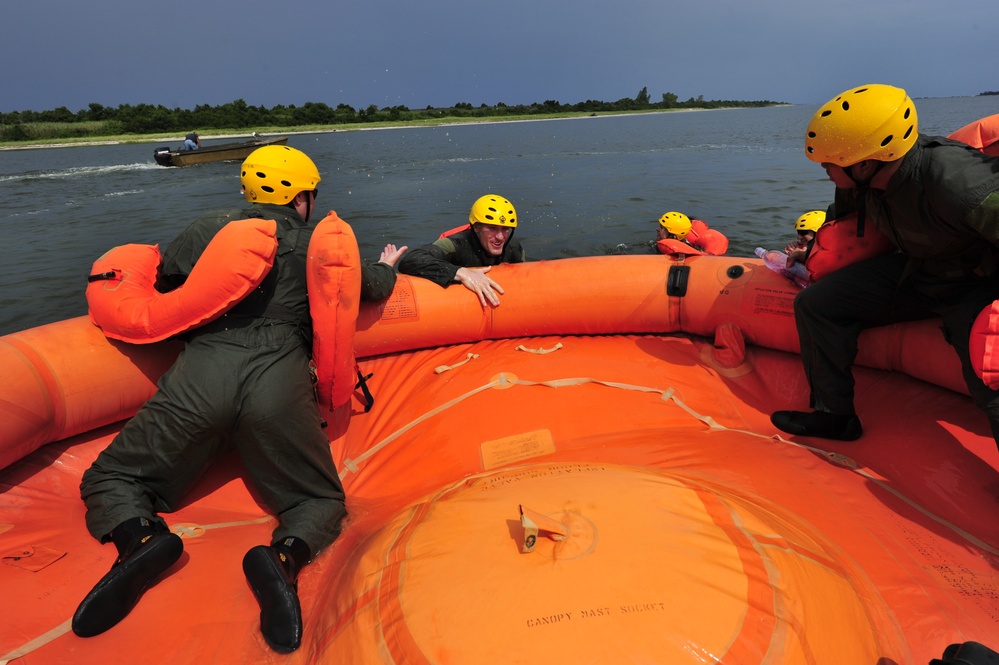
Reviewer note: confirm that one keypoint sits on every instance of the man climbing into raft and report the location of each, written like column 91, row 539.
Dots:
column 242, row 381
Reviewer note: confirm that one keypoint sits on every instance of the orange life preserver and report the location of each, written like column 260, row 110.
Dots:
column 333, row 273
column 125, row 304
column 457, row 229
column 982, row 134
column 983, row 345
column 674, row 246
column 836, row 245
column 710, row 241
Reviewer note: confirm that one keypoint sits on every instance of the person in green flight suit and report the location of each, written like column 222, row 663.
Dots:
column 937, row 200
column 241, row 381
column 467, row 254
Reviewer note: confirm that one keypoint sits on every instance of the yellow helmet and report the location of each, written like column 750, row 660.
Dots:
column 869, row 122
column 493, row 209
column 810, row 221
column 676, row 223
column 276, row 174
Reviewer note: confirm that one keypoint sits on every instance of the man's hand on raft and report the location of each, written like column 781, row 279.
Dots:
column 391, row 255
column 476, row 281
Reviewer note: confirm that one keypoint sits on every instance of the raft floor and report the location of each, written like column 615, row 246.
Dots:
column 696, row 532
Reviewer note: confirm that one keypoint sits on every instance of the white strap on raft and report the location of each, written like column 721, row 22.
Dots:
column 447, row 368
column 540, row 352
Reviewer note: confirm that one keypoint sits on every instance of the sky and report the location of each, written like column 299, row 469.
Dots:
column 185, row 53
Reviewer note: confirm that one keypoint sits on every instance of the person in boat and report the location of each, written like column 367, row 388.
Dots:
column 192, row 141
column 678, row 234
column 242, row 381
column 806, row 227
column 938, row 202
column 465, row 254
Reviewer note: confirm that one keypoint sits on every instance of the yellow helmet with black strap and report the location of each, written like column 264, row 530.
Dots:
column 810, row 221
column 276, row 174
column 676, row 223
column 493, row 209
column 870, row 122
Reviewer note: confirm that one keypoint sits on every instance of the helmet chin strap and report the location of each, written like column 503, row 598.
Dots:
column 308, row 204
column 863, row 187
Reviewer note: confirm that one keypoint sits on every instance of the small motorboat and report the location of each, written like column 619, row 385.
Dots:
column 223, row 152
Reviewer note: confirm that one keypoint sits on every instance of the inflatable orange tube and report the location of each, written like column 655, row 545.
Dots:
column 625, row 431
column 125, row 304
column 334, row 279
column 982, row 134
column 59, row 362
column 66, row 378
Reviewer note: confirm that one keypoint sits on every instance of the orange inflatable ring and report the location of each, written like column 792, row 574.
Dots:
column 837, row 245
column 334, row 280
column 125, row 304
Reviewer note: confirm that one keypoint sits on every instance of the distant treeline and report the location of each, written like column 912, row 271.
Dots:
column 98, row 120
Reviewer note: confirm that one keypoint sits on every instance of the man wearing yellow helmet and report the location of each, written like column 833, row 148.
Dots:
column 466, row 255
column 242, row 381
column 938, row 201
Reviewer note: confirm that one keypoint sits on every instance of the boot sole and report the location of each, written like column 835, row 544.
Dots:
column 120, row 589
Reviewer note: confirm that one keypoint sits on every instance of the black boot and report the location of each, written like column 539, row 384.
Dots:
column 968, row 653
column 272, row 573
column 843, row 427
column 145, row 551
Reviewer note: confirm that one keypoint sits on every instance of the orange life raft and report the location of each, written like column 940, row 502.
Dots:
column 584, row 480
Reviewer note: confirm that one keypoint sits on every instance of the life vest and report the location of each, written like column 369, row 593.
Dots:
column 836, row 245
column 333, row 274
column 983, row 345
column 125, row 304
column 982, row 134
column 674, row 246
column 700, row 240
column 457, row 229
column 983, row 342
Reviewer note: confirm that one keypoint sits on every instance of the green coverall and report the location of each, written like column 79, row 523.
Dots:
column 243, row 382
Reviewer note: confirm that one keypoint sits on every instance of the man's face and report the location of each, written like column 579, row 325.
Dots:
column 839, row 176
column 492, row 237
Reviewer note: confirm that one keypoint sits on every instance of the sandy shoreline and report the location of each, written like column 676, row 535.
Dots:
column 346, row 128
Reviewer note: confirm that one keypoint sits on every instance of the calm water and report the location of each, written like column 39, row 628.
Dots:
column 581, row 186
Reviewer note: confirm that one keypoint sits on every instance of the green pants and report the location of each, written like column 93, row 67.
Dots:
column 831, row 314
column 247, row 389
